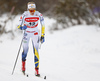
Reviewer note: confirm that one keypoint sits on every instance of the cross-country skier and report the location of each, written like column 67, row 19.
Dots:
column 29, row 23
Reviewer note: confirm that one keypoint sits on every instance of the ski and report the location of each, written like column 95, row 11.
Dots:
column 39, row 76
column 25, row 74
column 43, row 77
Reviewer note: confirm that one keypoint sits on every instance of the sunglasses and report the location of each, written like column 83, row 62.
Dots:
column 32, row 10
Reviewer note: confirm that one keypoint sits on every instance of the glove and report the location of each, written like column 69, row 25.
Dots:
column 19, row 27
column 22, row 28
column 42, row 39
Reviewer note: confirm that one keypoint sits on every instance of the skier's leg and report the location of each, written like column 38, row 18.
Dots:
column 25, row 50
column 35, row 42
column 36, row 59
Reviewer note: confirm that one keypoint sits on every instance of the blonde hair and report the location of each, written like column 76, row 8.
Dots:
column 30, row 3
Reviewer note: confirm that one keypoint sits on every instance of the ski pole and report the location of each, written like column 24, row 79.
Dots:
column 19, row 49
column 17, row 57
column 40, row 45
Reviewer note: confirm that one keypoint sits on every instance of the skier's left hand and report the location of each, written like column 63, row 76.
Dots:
column 42, row 39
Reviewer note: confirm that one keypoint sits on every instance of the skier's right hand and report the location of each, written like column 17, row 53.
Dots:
column 22, row 28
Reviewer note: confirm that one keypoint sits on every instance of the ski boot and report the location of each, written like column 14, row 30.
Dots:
column 23, row 67
column 37, row 72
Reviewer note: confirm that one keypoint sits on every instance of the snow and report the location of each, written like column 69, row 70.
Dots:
column 72, row 54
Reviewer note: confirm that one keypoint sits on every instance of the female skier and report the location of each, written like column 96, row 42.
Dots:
column 29, row 23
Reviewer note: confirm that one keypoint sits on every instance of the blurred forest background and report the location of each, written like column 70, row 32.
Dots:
column 66, row 12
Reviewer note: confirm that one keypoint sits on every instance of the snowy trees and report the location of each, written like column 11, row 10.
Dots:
column 73, row 12
column 69, row 12
column 21, row 5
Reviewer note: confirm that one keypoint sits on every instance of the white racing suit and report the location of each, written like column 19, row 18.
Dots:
column 31, row 21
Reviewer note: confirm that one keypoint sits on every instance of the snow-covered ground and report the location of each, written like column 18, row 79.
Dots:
column 71, row 54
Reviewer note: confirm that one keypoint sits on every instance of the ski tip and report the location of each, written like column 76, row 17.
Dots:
column 44, row 77
column 27, row 75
